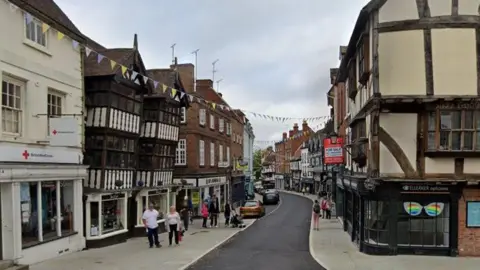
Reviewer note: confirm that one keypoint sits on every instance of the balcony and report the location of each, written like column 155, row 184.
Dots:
column 223, row 164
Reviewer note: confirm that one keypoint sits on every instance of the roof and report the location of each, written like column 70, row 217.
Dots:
column 50, row 13
column 123, row 56
column 362, row 20
column 164, row 76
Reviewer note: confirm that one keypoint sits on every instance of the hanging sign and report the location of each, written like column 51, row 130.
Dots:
column 333, row 152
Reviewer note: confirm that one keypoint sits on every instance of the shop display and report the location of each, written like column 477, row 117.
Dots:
column 111, row 214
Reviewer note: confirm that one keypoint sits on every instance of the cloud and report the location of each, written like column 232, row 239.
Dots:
column 274, row 56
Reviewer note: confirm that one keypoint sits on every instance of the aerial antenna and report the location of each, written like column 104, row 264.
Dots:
column 213, row 69
column 195, row 71
column 173, row 53
column 218, row 85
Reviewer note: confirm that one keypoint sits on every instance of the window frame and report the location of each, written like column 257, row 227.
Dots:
column 202, row 117
column 221, row 125
column 212, row 122
column 183, row 115
column 434, row 131
column 22, row 85
column 179, row 150
column 228, row 155
column 36, row 23
column 212, row 154
column 220, row 153
column 201, row 152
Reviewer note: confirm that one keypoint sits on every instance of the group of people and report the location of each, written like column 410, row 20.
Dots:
column 321, row 209
column 211, row 209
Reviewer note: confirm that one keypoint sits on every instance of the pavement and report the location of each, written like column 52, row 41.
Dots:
column 279, row 240
column 135, row 254
column 331, row 247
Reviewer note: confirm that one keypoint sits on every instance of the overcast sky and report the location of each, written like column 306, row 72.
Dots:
column 274, row 55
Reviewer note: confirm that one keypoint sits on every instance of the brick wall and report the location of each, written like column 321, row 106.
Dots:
column 468, row 238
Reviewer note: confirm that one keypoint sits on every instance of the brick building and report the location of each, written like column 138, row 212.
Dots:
column 285, row 149
column 204, row 153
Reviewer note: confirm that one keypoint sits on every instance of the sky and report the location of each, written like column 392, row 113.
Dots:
column 274, row 56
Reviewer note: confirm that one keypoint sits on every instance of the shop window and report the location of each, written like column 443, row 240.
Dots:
column 423, row 224
column 46, row 210
column 113, row 212
column 376, row 220
column 94, row 218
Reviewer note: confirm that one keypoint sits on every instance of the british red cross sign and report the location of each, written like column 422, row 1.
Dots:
column 25, row 154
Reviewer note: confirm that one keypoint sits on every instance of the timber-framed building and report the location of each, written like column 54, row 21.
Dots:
column 412, row 77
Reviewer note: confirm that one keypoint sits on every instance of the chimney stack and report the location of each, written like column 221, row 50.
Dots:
column 333, row 75
column 343, row 51
column 295, row 128
column 186, row 72
column 284, row 135
column 304, row 126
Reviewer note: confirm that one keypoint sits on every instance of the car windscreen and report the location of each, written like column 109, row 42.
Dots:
column 250, row 204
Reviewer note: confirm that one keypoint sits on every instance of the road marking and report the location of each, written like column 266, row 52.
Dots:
column 276, row 208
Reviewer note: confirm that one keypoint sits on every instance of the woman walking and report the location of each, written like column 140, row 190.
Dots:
column 174, row 224
column 227, row 214
column 204, row 214
column 316, row 215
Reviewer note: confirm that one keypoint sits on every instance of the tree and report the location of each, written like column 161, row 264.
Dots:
column 257, row 164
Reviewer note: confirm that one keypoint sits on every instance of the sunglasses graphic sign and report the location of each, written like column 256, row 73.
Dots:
column 432, row 209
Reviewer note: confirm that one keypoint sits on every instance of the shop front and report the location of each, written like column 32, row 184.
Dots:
column 308, row 185
column 238, row 195
column 401, row 217
column 161, row 200
column 41, row 202
column 279, row 183
column 200, row 189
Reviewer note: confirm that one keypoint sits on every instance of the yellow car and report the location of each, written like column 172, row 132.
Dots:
column 252, row 208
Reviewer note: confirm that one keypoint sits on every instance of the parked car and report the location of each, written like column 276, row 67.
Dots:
column 252, row 208
column 270, row 198
column 273, row 191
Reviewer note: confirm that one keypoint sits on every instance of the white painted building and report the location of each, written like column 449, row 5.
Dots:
column 40, row 156
column 248, row 138
column 307, row 173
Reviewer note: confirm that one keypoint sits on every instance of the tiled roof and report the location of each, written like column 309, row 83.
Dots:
column 164, row 76
column 49, row 12
column 123, row 56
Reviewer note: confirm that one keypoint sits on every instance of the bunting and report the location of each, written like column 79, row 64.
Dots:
column 89, row 52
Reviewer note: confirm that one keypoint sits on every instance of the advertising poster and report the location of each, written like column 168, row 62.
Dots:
column 333, row 152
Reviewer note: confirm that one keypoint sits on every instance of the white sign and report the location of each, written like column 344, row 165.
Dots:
column 44, row 154
column 64, row 131
column 212, row 181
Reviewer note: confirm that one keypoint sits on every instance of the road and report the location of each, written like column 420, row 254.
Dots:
column 277, row 241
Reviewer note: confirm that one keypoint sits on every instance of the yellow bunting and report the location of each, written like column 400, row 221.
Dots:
column 214, row 105
column 45, row 27
column 60, row 35
column 164, row 87
column 124, row 69
column 174, row 92
column 113, row 64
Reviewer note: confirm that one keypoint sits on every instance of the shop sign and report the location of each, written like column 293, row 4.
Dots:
column 39, row 154
column 333, row 152
column 157, row 191
column 64, row 131
column 212, row 181
column 413, row 188
column 113, row 196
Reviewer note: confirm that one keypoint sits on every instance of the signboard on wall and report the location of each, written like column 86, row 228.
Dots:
column 64, row 131
column 423, row 188
column 333, row 152
column 39, row 154
column 212, row 181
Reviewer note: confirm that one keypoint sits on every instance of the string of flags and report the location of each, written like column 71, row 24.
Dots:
column 89, row 52
column 295, row 136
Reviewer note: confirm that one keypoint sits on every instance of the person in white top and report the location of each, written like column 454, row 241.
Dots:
column 149, row 218
column 173, row 224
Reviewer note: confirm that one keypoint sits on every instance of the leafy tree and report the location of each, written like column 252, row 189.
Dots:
column 257, row 164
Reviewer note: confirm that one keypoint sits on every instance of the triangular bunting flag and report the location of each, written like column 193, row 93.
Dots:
column 45, row 27
column 75, row 44
column 221, row 106
column 134, row 75
column 214, row 105
column 28, row 18
column 155, row 84
column 124, row 70
column 164, row 88
column 113, row 64
column 174, row 92
column 190, row 97
column 60, row 35
column 182, row 94
column 87, row 51
column 145, row 79
column 100, row 58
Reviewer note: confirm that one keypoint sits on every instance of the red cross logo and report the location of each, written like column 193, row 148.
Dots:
column 25, row 154
column 54, row 132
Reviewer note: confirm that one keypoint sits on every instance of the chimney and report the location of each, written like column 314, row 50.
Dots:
column 206, row 83
column 284, row 135
column 219, row 94
column 295, row 128
column 186, row 73
column 304, row 126
column 343, row 51
column 333, row 75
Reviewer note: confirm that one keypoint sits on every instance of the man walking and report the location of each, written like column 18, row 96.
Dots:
column 149, row 219
column 214, row 210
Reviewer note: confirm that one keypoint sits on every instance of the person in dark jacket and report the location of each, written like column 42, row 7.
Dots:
column 214, row 210
column 227, row 214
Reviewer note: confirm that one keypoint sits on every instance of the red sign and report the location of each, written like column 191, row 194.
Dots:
column 333, row 152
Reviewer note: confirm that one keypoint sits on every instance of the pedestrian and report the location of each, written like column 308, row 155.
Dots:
column 308, row 190
column 214, row 210
column 303, row 190
column 190, row 210
column 149, row 218
column 227, row 214
column 316, row 215
column 324, row 208
column 174, row 224
column 204, row 214
column 328, row 208
column 185, row 215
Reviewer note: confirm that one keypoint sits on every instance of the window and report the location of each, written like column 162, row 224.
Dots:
column 220, row 153
column 183, row 115
column 54, row 103
column 40, row 218
column 221, row 125
column 212, row 154
column 113, row 213
column 34, row 31
column 203, row 117
column 363, row 60
column 212, row 121
column 201, row 160
column 12, row 105
column 424, row 223
column 454, row 130
column 376, row 222
column 181, row 152
column 228, row 155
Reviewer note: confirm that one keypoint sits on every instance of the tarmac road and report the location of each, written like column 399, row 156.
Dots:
column 279, row 241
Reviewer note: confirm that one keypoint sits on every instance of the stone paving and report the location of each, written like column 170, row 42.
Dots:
column 332, row 248
column 135, row 254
